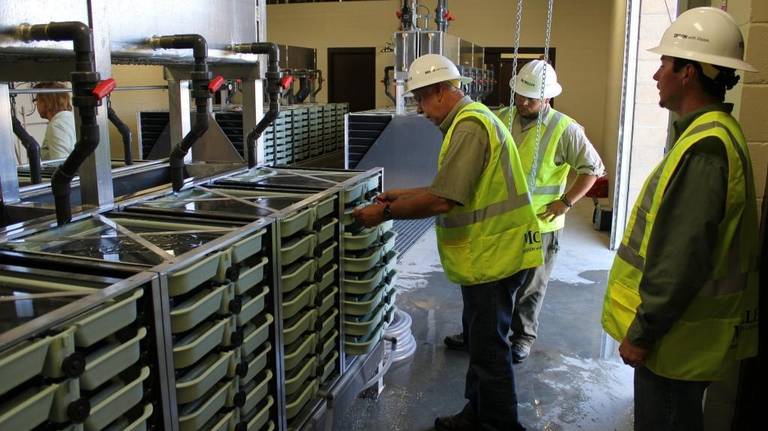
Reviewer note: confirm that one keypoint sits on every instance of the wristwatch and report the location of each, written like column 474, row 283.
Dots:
column 386, row 213
column 565, row 200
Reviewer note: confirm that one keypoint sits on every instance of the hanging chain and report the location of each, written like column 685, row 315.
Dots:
column 518, row 25
column 547, row 40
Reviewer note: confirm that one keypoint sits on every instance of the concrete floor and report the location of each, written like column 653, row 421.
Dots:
column 573, row 379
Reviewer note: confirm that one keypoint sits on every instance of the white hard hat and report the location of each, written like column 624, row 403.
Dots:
column 528, row 82
column 707, row 35
column 430, row 69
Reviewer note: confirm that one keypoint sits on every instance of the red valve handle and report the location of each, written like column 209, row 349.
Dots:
column 286, row 81
column 103, row 88
column 399, row 14
column 215, row 83
column 449, row 16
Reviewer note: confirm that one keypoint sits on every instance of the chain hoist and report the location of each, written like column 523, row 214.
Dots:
column 518, row 26
column 547, row 40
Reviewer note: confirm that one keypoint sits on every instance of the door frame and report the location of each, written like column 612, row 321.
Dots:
column 356, row 50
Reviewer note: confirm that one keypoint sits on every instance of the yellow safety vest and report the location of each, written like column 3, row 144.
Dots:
column 546, row 180
column 720, row 325
column 495, row 234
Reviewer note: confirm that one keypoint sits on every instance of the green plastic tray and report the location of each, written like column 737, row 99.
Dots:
column 364, row 260
column 186, row 279
column 106, row 320
column 297, row 274
column 329, row 367
column 325, row 207
column 139, row 424
column 296, row 300
column 295, row 379
column 362, row 283
column 257, row 362
column 296, row 248
column 364, row 325
column 329, row 344
column 250, row 277
column 110, row 360
column 329, row 322
column 193, row 416
column 257, row 419
column 256, row 391
column 327, row 255
column 326, row 232
column 366, row 237
column 354, row 193
column 293, row 328
column 255, row 334
column 328, row 300
column 197, row 308
column 198, row 380
column 27, row 410
column 327, row 277
column 300, row 221
column 252, row 306
column 298, row 350
column 114, row 400
column 222, row 422
column 362, row 345
column 22, row 362
column 297, row 402
column 196, row 344
column 362, row 305
column 247, row 247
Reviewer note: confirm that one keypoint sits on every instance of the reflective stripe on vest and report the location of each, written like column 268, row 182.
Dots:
column 495, row 234
column 720, row 324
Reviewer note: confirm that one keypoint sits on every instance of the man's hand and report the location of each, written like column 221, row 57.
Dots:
column 554, row 209
column 371, row 215
column 632, row 355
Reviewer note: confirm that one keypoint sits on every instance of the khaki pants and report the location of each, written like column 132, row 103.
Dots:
column 529, row 298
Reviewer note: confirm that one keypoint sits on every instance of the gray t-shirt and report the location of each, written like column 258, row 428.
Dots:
column 465, row 160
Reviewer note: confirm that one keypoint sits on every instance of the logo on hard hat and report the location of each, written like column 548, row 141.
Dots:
column 687, row 37
column 527, row 83
column 435, row 69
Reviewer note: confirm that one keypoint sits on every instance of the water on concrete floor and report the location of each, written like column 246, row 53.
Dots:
column 573, row 379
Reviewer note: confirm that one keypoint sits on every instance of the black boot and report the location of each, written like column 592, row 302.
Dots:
column 463, row 421
column 455, row 342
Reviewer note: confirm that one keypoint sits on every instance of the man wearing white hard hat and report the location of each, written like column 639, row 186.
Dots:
column 562, row 146
column 487, row 233
column 682, row 292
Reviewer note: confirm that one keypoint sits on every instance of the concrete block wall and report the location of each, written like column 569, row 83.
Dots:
column 754, row 93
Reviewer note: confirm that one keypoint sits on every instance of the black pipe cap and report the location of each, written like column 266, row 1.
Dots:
column 241, row 369
column 74, row 365
column 79, row 410
column 239, row 399
column 235, row 305
column 233, row 273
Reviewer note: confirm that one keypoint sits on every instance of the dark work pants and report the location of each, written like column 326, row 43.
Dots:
column 663, row 404
column 490, row 386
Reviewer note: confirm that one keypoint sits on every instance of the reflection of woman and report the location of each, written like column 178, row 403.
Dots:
column 60, row 134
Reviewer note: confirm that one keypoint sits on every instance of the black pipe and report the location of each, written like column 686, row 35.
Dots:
column 84, row 80
column 406, row 19
column 200, row 77
column 319, row 82
column 387, row 81
column 125, row 133
column 273, row 90
column 304, row 88
column 440, row 11
column 33, row 150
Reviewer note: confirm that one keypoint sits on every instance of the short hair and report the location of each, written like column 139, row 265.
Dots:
column 55, row 102
column 724, row 79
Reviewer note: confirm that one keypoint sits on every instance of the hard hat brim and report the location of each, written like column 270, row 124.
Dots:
column 462, row 79
column 554, row 90
column 716, row 60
